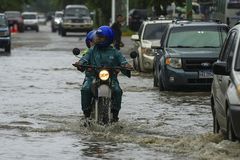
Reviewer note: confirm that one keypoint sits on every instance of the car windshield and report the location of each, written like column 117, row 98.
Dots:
column 154, row 31
column 2, row 21
column 58, row 15
column 29, row 16
column 12, row 14
column 197, row 37
column 76, row 12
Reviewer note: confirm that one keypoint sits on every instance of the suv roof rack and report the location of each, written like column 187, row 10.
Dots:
column 156, row 18
column 179, row 21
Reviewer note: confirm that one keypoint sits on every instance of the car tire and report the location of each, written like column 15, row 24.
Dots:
column 37, row 29
column 155, row 78
column 63, row 33
column 21, row 29
column 135, row 64
column 53, row 29
column 140, row 64
column 8, row 48
column 216, row 127
column 160, row 86
column 230, row 135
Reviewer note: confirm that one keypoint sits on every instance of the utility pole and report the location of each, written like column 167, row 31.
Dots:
column 189, row 9
column 113, row 11
column 127, row 12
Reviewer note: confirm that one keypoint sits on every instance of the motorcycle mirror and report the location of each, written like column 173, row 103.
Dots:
column 133, row 55
column 76, row 51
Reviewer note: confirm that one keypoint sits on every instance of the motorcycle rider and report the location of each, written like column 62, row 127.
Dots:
column 89, row 42
column 103, row 54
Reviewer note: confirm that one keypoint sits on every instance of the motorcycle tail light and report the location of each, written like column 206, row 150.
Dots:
column 103, row 75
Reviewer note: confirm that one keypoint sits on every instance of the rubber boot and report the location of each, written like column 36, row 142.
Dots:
column 115, row 115
column 87, row 114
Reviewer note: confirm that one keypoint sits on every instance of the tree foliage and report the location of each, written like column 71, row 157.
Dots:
column 13, row 4
column 102, row 8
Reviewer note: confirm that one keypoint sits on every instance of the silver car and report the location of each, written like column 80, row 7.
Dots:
column 225, row 99
column 149, row 32
column 30, row 20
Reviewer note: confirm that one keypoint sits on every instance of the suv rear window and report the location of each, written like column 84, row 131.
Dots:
column 154, row 31
column 29, row 16
column 76, row 12
column 12, row 14
column 197, row 37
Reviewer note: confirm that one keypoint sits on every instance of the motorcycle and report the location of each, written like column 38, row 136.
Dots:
column 101, row 105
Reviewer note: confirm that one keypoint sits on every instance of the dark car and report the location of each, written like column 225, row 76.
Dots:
column 188, row 50
column 5, row 35
column 225, row 95
column 15, row 18
column 136, row 17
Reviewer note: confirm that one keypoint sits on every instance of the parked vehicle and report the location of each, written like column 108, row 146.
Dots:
column 225, row 99
column 185, row 56
column 227, row 11
column 56, row 20
column 150, row 31
column 136, row 17
column 15, row 18
column 178, row 12
column 76, row 18
column 30, row 20
column 42, row 19
column 5, row 34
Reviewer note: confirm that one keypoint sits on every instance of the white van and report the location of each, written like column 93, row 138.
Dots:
column 30, row 20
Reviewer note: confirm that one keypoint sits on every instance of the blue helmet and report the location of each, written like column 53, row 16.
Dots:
column 105, row 31
column 89, row 38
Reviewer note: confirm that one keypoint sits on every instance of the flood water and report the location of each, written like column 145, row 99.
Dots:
column 41, row 116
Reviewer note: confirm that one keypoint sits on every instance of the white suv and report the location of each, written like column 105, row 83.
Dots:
column 150, row 31
column 30, row 20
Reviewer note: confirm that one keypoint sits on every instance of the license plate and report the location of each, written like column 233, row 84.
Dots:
column 205, row 74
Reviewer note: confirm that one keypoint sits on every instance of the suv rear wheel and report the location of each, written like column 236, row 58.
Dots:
column 155, row 79
column 63, row 33
column 37, row 29
column 160, row 86
column 8, row 48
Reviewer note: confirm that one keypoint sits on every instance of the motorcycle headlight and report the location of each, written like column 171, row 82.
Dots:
column 104, row 75
column 174, row 62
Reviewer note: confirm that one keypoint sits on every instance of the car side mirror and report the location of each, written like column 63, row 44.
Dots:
column 133, row 55
column 220, row 68
column 76, row 51
column 135, row 37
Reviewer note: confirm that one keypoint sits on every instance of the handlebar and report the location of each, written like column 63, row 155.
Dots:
column 103, row 67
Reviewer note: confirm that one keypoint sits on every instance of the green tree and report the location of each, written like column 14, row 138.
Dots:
column 13, row 5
